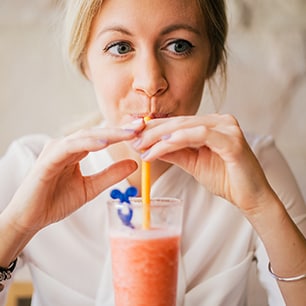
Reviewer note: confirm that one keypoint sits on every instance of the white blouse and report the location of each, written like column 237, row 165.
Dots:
column 70, row 261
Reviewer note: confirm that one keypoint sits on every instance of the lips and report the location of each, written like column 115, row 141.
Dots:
column 159, row 115
column 151, row 115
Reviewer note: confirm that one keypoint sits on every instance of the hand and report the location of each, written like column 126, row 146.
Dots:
column 213, row 149
column 55, row 187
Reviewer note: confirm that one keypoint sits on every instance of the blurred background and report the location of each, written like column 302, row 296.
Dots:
column 266, row 87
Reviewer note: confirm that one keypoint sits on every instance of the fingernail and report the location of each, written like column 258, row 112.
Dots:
column 137, row 121
column 102, row 142
column 145, row 154
column 129, row 131
column 137, row 142
column 133, row 124
column 166, row 137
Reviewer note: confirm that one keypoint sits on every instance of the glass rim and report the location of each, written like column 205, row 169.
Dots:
column 155, row 202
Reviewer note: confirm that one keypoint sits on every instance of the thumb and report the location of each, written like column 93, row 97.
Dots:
column 95, row 184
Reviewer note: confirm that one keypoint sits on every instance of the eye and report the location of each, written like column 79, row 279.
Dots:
column 180, row 47
column 119, row 48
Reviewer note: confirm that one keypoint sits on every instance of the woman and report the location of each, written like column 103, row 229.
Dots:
column 152, row 58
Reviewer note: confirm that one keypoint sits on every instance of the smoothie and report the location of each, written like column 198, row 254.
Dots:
column 145, row 267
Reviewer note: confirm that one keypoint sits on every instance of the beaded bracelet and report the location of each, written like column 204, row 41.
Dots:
column 6, row 273
column 285, row 279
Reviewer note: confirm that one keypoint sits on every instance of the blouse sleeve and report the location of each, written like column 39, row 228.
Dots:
column 14, row 165
column 284, row 184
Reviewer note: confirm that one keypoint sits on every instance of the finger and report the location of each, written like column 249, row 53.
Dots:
column 96, row 183
column 96, row 139
column 110, row 132
column 209, row 120
column 158, row 129
column 184, row 138
column 224, row 144
column 76, row 146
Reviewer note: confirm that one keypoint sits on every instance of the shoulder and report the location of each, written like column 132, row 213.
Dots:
column 278, row 172
column 269, row 156
column 25, row 148
column 32, row 144
column 265, row 149
column 259, row 143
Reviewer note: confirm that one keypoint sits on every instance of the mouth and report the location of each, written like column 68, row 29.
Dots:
column 151, row 115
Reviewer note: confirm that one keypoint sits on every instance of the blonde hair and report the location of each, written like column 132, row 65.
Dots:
column 80, row 15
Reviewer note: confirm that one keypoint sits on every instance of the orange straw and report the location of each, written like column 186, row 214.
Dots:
column 145, row 190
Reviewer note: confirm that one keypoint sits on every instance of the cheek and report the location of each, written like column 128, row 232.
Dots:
column 105, row 77
column 109, row 86
column 192, row 91
column 103, row 81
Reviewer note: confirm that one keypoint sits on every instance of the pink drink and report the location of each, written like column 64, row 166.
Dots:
column 145, row 268
column 145, row 261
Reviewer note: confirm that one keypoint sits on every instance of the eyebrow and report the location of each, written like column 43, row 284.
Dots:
column 167, row 30
column 114, row 29
column 181, row 26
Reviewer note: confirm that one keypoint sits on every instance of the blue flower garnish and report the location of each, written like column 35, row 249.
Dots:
column 125, row 203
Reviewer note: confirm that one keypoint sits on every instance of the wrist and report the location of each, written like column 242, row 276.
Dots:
column 268, row 209
column 281, row 237
column 12, row 239
column 6, row 273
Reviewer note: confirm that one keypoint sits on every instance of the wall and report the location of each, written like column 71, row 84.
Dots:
column 38, row 92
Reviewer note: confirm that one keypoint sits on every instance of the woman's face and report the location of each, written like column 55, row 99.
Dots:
column 147, row 58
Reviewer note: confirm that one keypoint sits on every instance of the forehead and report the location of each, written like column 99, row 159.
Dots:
column 149, row 15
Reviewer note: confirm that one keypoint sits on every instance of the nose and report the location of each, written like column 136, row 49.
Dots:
column 149, row 77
